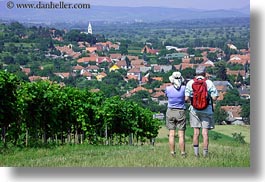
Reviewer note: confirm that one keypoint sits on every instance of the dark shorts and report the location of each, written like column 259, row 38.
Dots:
column 176, row 118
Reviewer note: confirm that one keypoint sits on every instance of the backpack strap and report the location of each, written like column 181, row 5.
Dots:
column 199, row 78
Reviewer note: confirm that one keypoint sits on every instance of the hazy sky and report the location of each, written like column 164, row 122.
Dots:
column 198, row 4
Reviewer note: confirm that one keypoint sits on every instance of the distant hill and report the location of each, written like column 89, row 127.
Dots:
column 113, row 14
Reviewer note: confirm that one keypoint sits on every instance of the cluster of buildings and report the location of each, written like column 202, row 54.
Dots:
column 93, row 66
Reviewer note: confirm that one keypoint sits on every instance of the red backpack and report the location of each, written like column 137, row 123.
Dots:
column 200, row 98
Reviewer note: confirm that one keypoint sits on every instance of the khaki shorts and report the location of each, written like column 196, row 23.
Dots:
column 201, row 120
column 176, row 118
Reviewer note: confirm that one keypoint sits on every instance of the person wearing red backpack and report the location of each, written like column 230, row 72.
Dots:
column 201, row 92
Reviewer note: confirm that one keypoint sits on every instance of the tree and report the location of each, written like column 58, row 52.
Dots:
column 247, row 67
column 219, row 115
column 163, row 61
column 124, row 49
column 231, row 98
column 109, row 90
column 21, row 59
column 2, row 45
column 13, row 68
column 128, row 62
column 11, row 48
column 212, row 56
column 188, row 73
column 247, row 81
column 8, row 59
column 220, row 68
column 77, row 36
column 142, row 97
column 176, row 61
column 239, row 79
column 191, row 51
column 245, row 111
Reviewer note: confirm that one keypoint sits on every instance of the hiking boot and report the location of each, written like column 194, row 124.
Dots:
column 173, row 154
column 183, row 154
column 205, row 153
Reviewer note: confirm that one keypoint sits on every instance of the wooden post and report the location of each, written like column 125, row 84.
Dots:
column 27, row 137
column 56, row 139
column 131, row 139
column 69, row 136
column 81, row 138
column 76, row 137
column 152, row 140
column 106, row 135
column 4, row 134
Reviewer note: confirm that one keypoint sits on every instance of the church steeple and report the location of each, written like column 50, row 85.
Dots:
column 89, row 28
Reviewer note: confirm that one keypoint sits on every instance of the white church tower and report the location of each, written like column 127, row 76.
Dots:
column 89, row 29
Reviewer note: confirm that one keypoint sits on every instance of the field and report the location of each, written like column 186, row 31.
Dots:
column 224, row 151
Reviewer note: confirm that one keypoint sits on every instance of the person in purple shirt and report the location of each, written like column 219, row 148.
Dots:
column 175, row 115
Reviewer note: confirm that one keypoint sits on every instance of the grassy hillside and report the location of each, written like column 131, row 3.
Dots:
column 230, row 129
column 224, row 151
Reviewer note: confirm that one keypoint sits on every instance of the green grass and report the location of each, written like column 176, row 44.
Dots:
column 224, row 151
column 230, row 129
column 222, row 134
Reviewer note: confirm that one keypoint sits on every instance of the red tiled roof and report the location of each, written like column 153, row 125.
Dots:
column 63, row 75
column 35, row 78
column 235, row 72
column 92, row 57
column 121, row 63
column 139, row 88
column 103, row 74
column 234, row 110
column 134, row 70
column 187, row 65
column 158, row 78
column 221, row 95
column 26, row 70
column 78, row 67
column 144, row 79
column 103, row 59
column 87, row 74
column 69, row 51
column 91, row 49
column 163, row 87
column 130, row 77
column 132, row 57
column 137, row 62
column 239, row 59
column 94, row 90
column 149, row 50
column 158, row 94
column 115, row 56
column 92, row 67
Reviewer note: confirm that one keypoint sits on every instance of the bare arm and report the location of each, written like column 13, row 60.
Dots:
column 187, row 98
column 214, row 98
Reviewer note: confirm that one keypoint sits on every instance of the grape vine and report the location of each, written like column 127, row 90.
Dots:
column 42, row 112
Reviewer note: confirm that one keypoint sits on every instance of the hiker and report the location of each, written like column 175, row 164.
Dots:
column 201, row 117
column 175, row 115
